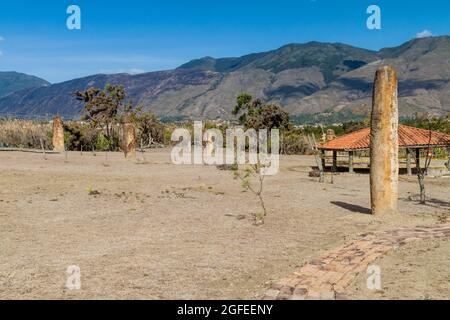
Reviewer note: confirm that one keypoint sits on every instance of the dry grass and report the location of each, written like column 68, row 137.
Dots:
column 25, row 133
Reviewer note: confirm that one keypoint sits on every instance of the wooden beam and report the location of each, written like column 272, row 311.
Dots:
column 418, row 159
column 323, row 159
column 334, row 161
column 350, row 162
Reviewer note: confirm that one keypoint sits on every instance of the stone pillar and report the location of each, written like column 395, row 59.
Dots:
column 58, row 134
column 350, row 162
column 334, row 161
column 384, row 143
column 128, row 138
column 408, row 161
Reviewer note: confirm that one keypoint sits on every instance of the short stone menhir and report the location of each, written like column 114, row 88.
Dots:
column 129, row 138
column 58, row 135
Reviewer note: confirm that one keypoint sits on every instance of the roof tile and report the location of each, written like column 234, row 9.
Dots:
column 407, row 137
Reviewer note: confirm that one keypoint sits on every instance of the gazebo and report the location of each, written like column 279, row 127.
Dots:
column 409, row 138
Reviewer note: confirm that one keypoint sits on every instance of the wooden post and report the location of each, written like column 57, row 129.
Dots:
column 447, row 164
column 43, row 149
column 350, row 162
column 334, row 161
column 384, row 143
column 418, row 159
column 323, row 159
column 408, row 161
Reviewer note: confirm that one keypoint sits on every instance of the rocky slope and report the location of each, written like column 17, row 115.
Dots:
column 331, row 80
column 14, row 81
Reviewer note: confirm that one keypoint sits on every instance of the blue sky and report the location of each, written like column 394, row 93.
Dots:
column 148, row 35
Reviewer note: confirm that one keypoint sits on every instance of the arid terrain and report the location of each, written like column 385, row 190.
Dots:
column 163, row 231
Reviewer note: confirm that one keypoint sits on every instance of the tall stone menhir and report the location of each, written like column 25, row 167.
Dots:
column 58, row 134
column 384, row 143
column 128, row 138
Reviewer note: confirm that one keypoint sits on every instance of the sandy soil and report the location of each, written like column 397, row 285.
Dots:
column 163, row 231
column 420, row 270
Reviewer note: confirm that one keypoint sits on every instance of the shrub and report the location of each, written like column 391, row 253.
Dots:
column 294, row 142
column 25, row 134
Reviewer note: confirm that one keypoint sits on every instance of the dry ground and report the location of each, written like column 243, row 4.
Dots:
column 420, row 270
column 162, row 231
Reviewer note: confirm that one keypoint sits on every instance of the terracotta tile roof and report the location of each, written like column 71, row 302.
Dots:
column 407, row 137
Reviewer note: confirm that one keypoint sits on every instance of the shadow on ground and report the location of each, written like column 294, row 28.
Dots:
column 351, row 207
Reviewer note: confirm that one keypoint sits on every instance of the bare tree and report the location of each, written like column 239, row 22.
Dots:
column 253, row 172
column 422, row 172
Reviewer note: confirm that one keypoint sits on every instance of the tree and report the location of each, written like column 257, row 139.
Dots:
column 149, row 129
column 428, row 122
column 78, row 136
column 246, row 175
column 253, row 113
column 422, row 172
column 102, row 108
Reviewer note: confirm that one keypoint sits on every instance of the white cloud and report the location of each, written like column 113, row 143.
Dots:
column 424, row 34
column 135, row 71
column 129, row 71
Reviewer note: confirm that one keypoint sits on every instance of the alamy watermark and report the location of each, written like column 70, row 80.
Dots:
column 374, row 277
column 189, row 151
column 74, row 20
column 374, row 20
column 74, row 279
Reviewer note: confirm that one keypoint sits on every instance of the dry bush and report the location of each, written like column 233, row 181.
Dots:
column 25, row 134
column 294, row 142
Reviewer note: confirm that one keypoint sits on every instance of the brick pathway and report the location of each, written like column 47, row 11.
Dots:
column 328, row 276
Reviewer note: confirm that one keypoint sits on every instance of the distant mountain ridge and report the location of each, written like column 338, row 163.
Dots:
column 331, row 80
column 15, row 81
column 332, row 59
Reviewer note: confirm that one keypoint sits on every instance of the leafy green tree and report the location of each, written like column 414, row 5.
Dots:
column 149, row 129
column 253, row 113
column 429, row 122
column 102, row 108
column 84, row 137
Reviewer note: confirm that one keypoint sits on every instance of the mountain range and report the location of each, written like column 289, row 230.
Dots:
column 15, row 81
column 325, row 81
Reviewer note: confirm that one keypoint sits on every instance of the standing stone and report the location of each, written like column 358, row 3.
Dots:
column 330, row 135
column 384, row 143
column 128, row 138
column 58, row 134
